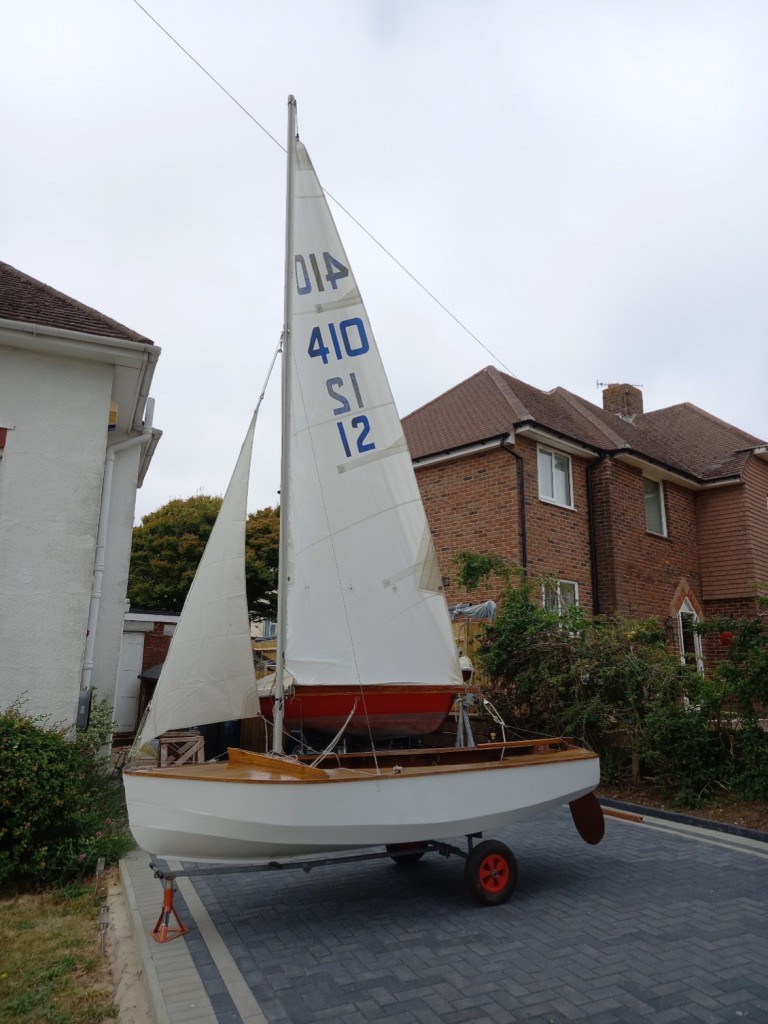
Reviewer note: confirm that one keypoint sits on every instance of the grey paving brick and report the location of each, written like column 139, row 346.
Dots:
column 671, row 1016
column 650, row 926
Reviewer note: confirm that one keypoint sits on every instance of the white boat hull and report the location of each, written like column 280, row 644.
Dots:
column 216, row 818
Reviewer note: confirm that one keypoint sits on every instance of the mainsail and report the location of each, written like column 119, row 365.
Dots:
column 208, row 675
column 364, row 601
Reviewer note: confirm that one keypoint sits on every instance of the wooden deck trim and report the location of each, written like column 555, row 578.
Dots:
column 261, row 768
column 271, row 765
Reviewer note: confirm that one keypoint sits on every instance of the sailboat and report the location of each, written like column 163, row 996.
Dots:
column 364, row 640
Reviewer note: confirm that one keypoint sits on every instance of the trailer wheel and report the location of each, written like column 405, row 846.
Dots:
column 404, row 853
column 491, row 873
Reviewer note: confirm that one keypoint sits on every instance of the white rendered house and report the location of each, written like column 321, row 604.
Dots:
column 76, row 439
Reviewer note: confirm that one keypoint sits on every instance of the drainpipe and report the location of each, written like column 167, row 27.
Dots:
column 592, row 538
column 521, row 503
column 84, row 700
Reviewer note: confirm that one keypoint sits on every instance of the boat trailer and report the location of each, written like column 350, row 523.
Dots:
column 490, row 873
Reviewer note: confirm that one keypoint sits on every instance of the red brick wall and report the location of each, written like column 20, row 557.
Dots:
column 756, row 501
column 733, row 532
column 716, row 543
column 472, row 504
column 156, row 646
column 640, row 572
column 558, row 538
column 604, row 522
column 726, row 561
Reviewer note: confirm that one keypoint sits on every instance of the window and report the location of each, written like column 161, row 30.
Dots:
column 559, row 595
column 655, row 520
column 555, row 477
column 690, row 641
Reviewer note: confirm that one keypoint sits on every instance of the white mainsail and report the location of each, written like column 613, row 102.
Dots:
column 208, row 675
column 364, row 599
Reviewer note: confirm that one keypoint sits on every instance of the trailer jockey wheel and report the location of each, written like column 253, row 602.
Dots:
column 491, row 872
column 403, row 853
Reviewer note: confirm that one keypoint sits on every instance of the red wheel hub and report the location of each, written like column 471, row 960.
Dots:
column 493, row 873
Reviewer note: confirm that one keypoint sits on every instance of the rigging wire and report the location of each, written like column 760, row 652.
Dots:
column 330, row 195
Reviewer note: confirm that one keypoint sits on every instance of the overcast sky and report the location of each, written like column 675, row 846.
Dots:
column 583, row 183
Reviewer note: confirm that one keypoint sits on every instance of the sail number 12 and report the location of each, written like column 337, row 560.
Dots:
column 355, row 437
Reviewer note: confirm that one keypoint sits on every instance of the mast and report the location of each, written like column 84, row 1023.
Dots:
column 285, row 476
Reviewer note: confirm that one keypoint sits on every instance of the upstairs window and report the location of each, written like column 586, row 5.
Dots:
column 555, row 477
column 655, row 519
column 559, row 595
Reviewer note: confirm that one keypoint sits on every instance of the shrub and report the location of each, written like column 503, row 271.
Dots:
column 59, row 809
column 615, row 684
column 565, row 673
column 682, row 751
column 739, row 698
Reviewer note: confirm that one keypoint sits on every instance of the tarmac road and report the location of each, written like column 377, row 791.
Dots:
column 662, row 922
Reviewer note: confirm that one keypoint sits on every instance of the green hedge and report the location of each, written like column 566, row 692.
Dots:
column 60, row 810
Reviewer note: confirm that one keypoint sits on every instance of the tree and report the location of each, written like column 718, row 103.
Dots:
column 169, row 543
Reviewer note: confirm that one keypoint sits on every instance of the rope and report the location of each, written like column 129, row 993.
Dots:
column 336, row 738
column 497, row 718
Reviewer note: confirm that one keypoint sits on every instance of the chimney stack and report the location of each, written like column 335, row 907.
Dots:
column 625, row 400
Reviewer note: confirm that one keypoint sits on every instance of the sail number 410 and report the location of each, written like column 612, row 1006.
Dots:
column 347, row 338
column 309, row 277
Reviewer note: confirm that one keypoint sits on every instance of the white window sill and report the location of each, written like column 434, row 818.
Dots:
column 557, row 504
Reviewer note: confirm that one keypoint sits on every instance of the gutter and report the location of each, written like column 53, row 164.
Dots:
column 96, row 347
column 451, row 454
column 566, row 444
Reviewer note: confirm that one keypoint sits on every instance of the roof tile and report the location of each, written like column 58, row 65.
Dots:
column 682, row 438
column 27, row 300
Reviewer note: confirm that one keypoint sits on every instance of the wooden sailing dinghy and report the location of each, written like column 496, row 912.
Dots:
column 364, row 637
column 256, row 805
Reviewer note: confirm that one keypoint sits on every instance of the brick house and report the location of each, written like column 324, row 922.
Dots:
column 76, row 439
column 626, row 512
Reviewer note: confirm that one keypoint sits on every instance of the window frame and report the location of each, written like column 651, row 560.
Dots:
column 661, row 506
column 686, row 609
column 552, row 453
column 555, row 587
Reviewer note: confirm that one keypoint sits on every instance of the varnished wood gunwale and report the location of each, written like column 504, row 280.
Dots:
column 247, row 767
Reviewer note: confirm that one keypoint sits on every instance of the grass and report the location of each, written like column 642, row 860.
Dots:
column 52, row 970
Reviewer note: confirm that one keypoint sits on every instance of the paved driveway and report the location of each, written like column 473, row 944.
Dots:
column 660, row 922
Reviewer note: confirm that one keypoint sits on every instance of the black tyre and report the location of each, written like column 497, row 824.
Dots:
column 491, row 873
